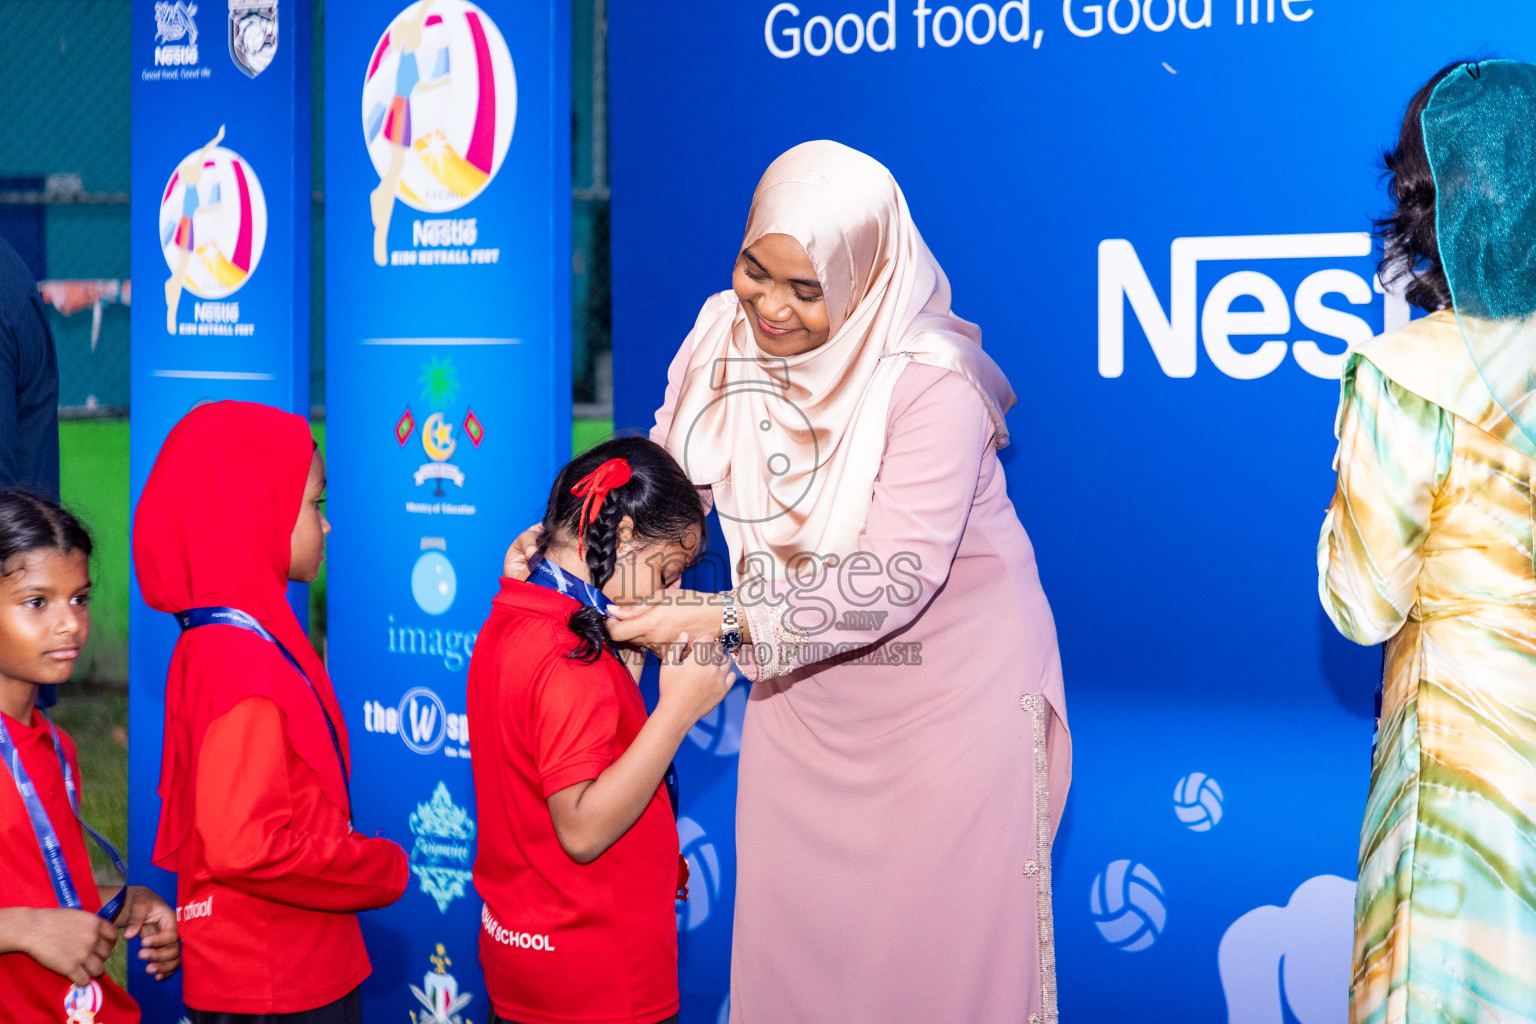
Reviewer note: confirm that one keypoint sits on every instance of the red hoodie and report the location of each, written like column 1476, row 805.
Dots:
column 254, row 805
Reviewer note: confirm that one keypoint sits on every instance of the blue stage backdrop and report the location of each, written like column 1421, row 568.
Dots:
column 447, row 182
column 1157, row 211
column 220, row 249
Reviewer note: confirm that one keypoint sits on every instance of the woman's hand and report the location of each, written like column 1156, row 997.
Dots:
column 150, row 919
column 656, row 624
column 521, row 554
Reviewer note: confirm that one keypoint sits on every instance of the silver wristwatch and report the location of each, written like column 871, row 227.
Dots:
column 730, row 625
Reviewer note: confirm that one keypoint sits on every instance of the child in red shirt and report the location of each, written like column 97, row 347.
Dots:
column 578, row 852
column 54, row 935
column 255, row 814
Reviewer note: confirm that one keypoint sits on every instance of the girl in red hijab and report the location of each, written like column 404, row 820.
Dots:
column 255, row 814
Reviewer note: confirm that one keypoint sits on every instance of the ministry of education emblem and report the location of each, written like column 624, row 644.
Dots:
column 443, row 855
column 439, row 994
column 252, row 34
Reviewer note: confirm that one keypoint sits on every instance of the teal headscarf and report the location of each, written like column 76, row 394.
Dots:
column 1480, row 137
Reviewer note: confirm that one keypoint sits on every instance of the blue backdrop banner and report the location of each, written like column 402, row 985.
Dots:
column 1158, row 211
column 448, row 412
column 220, row 247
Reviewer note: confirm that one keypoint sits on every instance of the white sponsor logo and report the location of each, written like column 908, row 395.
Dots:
column 1292, row 963
column 176, row 32
column 445, row 232
column 1173, row 335
column 422, row 723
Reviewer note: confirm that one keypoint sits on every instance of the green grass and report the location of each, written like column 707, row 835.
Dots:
column 97, row 719
column 93, row 482
column 586, row 433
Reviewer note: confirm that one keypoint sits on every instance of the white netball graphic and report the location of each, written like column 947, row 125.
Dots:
column 719, row 732
column 439, row 102
column 1197, row 802
column 213, row 223
column 703, row 874
column 1127, row 906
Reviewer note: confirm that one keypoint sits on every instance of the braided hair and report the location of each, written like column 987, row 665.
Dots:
column 30, row 522
column 659, row 499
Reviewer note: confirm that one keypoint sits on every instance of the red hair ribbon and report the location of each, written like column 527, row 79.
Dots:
column 594, row 487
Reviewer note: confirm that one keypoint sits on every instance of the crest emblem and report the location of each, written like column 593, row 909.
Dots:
column 252, row 34
column 440, row 389
column 439, row 993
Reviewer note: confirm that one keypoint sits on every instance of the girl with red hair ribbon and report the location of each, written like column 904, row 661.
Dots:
column 578, row 855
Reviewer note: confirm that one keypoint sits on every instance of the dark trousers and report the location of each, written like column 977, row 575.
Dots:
column 346, row 1010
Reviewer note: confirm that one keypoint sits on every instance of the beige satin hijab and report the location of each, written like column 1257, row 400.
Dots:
column 791, row 446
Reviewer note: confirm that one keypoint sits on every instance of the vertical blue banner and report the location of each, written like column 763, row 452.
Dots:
column 448, row 411
column 220, row 254
column 1158, row 211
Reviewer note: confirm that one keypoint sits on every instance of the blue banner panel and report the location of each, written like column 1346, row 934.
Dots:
column 448, row 413
column 1158, row 211
column 220, row 252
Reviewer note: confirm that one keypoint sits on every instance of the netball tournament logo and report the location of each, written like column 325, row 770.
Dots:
column 213, row 225
column 82, row 1004
column 439, row 101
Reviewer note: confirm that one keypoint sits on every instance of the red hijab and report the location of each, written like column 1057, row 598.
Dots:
column 213, row 527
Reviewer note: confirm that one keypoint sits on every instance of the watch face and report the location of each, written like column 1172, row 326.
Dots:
column 730, row 640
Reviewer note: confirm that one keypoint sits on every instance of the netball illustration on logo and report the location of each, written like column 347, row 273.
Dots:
column 439, row 102
column 1197, row 801
column 1127, row 906
column 719, row 732
column 213, row 225
column 703, row 870
column 83, row 1004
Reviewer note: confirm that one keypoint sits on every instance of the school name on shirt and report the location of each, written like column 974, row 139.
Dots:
column 194, row 911
column 507, row 937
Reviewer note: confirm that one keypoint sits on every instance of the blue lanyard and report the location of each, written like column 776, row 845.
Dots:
column 547, row 574
column 42, row 826
column 192, row 618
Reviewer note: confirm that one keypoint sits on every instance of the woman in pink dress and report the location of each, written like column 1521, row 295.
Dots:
column 905, row 755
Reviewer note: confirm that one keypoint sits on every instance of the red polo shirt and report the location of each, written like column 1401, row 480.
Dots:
column 563, row 942
column 31, row 992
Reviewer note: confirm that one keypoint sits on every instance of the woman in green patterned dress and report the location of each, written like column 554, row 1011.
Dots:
column 1428, row 546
